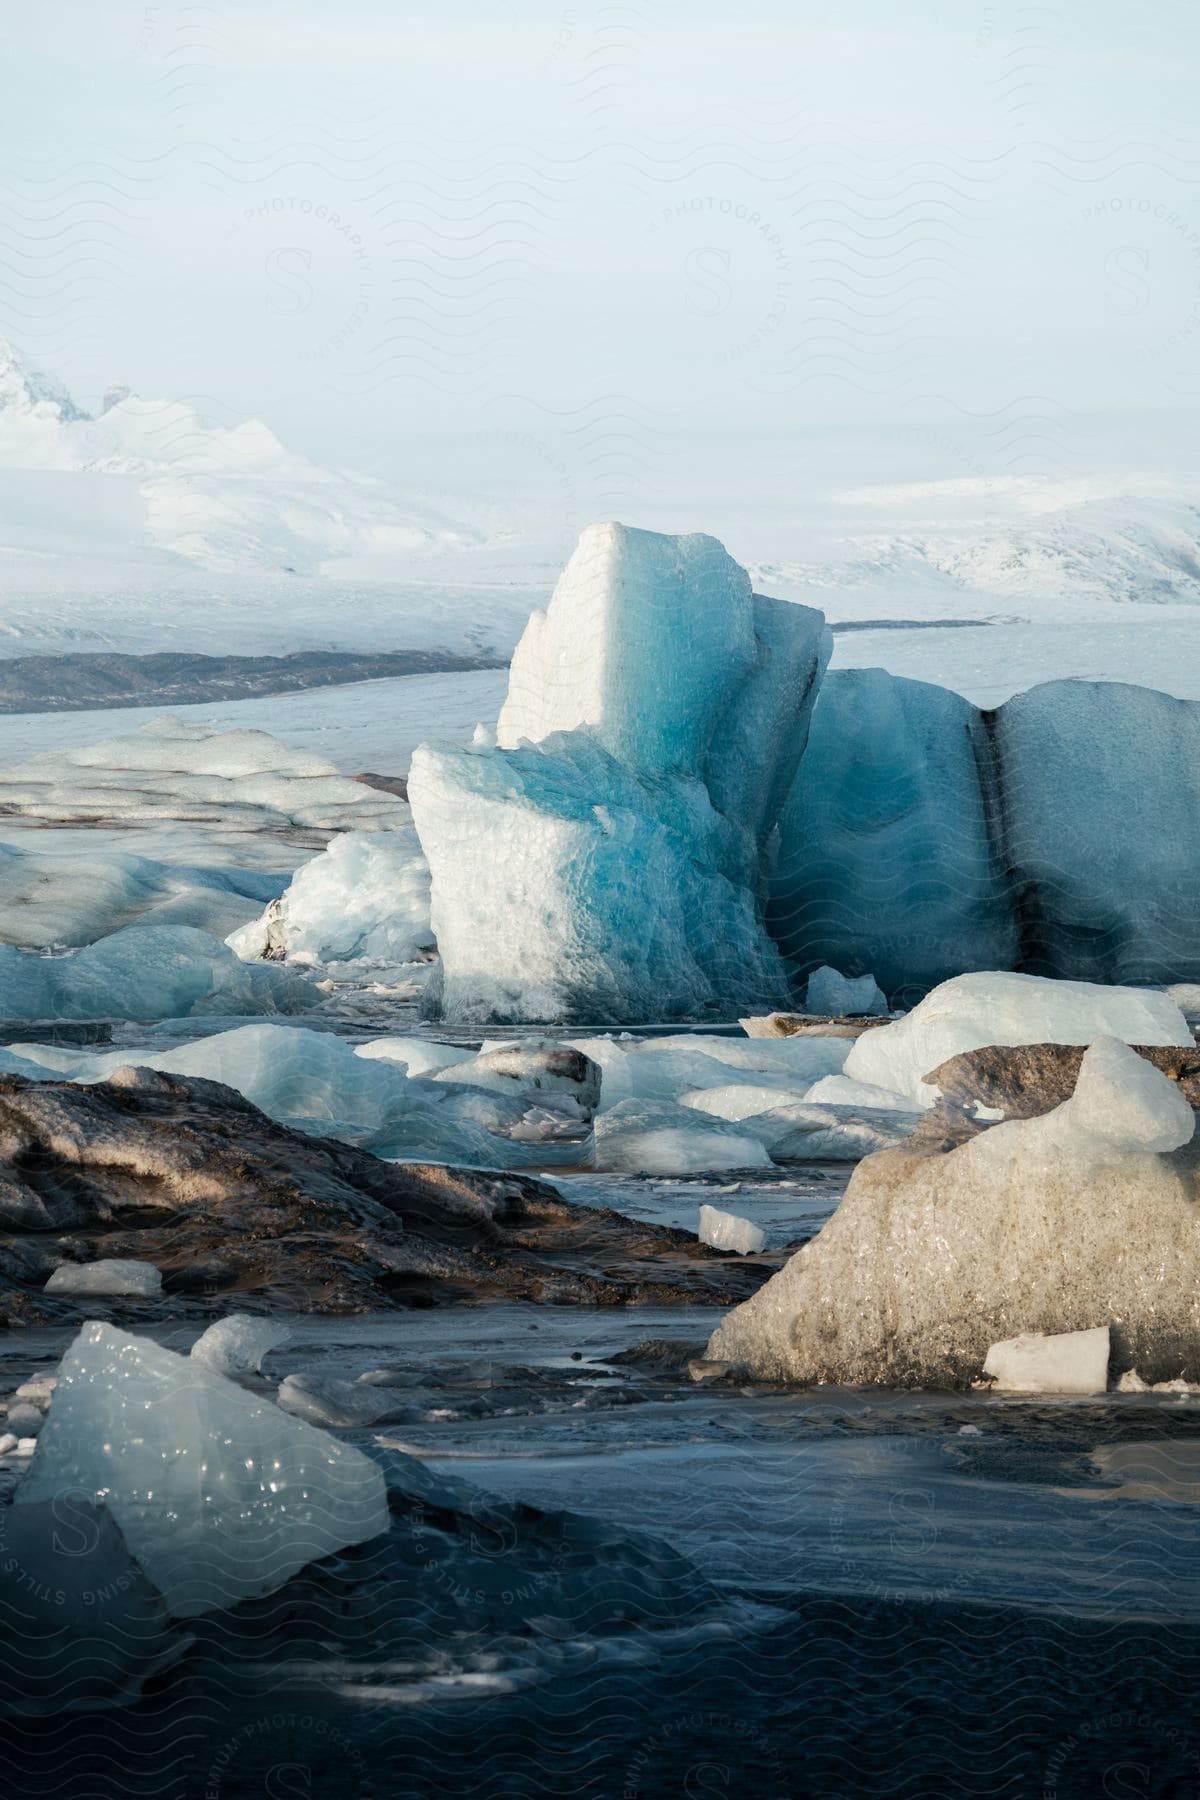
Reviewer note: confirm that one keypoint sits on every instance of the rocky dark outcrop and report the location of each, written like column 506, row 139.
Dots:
column 1025, row 1080
column 230, row 1206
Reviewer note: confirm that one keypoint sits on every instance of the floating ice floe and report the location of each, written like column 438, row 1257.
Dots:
column 237, row 1344
column 1044, row 1225
column 830, row 994
column 726, row 1231
column 73, row 899
column 363, row 899
column 146, row 972
column 972, row 1011
column 664, row 1068
column 602, row 861
column 110, row 1275
column 218, row 1494
column 171, row 770
column 655, row 1137
column 1066, row 1362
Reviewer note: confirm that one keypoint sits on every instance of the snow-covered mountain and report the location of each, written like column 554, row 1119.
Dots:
column 229, row 499
column 952, row 546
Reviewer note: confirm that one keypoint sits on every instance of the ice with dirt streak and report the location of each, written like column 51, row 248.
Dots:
column 972, row 1011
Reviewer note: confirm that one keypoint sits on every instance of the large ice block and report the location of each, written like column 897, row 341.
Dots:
column 606, row 860
column 886, row 862
column 219, row 1495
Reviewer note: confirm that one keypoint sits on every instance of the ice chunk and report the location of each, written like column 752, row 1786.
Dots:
column 325, row 1401
column 1047, row 1223
column 365, row 898
column 832, row 995
column 73, row 899
column 605, row 861
column 567, row 887
column 740, row 1102
column 655, row 1138
column 843, row 1090
column 885, row 857
column 665, row 1068
column 1186, row 995
column 111, row 1275
column 645, row 640
column 726, row 1231
column 974, row 1010
column 314, row 1082
column 219, row 1494
column 172, row 770
column 1065, row 1362
column 146, row 972
column 1099, row 904
column 417, row 1056
column 802, row 1132
column 1123, row 1103
column 237, row 1344
column 554, row 1071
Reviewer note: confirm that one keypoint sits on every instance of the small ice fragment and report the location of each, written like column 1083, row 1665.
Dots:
column 1132, row 1383
column 1065, row 1362
column 8, row 1443
column 726, row 1231
column 110, row 1275
column 38, row 1389
column 236, row 1345
column 832, row 995
column 324, row 1401
column 26, row 1421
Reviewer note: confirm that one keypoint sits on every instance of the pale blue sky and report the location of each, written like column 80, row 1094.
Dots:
column 566, row 243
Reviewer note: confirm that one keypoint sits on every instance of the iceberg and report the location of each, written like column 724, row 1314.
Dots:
column 363, row 899
column 726, row 1231
column 146, row 972
column 972, row 1011
column 886, row 860
column 604, row 861
column 1098, row 903
column 1080, row 1217
column 219, row 1495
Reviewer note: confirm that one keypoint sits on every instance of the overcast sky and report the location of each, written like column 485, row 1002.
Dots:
column 563, row 244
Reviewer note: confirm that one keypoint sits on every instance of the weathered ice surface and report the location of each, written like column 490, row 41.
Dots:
column 365, row 898
column 53, row 899
column 1023, row 1080
column 235, row 1209
column 237, row 1344
column 146, row 972
column 658, row 1137
column 1099, row 901
column 1069, row 1362
column 172, row 770
column 605, row 861
column 1088, row 1215
column 727, row 1231
column 974, row 1010
column 885, row 859
column 219, row 1495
